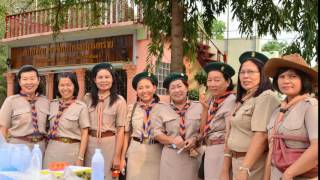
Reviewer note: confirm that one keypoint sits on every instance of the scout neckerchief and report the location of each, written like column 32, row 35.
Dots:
column 213, row 108
column 181, row 113
column 285, row 105
column 100, row 108
column 146, row 121
column 34, row 114
column 63, row 105
column 248, row 95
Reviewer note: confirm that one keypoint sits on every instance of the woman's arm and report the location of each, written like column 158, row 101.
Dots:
column 256, row 149
column 124, row 150
column 118, row 147
column 83, row 146
column 307, row 161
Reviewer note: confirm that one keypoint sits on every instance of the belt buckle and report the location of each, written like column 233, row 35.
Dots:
column 34, row 139
column 65, row 140
column 145, row 141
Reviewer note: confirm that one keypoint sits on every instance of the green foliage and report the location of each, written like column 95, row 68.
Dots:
column 282, row 15
column 201, row 77
column 193, row 94
column 274, row 46
column 218, row 29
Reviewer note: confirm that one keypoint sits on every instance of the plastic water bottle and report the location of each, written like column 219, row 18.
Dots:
column 36, row 158
column 97, row 164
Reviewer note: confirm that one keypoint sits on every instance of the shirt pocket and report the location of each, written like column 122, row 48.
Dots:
column 246, row 117
column 70, row 122
column 22, row 115
column 109, row 117
column 171, row 124
column 193, row 123
column 294, row 125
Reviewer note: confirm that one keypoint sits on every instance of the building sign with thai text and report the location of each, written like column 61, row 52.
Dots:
column 109, row 49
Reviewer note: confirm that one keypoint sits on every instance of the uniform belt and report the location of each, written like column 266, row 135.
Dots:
column 145, row 140
column 31, row 138
column 236, row 154
column 210, row 142
column 103, row 134
column 66, row 140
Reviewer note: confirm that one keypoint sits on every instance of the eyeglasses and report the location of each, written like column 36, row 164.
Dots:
column 249, row 72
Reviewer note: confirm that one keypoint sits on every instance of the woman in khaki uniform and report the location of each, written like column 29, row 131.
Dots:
column 247, row 142
column 296, row 117
column 23, row 116
column 143, row 154
column 107, row 111
column 69, row 122
column 216, row 117
column 177, row 127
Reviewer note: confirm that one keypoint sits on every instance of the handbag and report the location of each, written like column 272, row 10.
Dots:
column 283, row 157
column 201, row 168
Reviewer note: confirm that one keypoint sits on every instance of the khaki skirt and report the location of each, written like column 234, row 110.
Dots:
column 42, row 143
column 107, row 146
column 143, row 161
column 61, row 152
column 175, row 166
column 257, row 171
column 276, row 175
column 213, row 161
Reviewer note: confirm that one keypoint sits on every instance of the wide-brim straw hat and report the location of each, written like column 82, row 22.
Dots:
column 294, row 61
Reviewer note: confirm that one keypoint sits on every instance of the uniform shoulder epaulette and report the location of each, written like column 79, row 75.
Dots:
column 54, row 100
column 311, row 100
column 14, row 96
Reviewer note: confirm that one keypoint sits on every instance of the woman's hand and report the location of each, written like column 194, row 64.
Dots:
column 189, row 143
column 204, row 101
column 286, row 176
column 116, row 162
column 79, row 162
column 242, row 175
column 178, row 141
column 123, row 163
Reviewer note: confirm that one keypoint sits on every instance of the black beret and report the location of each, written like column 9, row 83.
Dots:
column 220, row 66
column 144, row 75
column 172, row 77
column 253, row 55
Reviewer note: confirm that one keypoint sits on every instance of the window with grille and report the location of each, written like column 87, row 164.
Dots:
column 162, row 71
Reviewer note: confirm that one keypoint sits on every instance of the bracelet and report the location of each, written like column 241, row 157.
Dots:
column 241, row 168
column 227, row 155
column 80, row 158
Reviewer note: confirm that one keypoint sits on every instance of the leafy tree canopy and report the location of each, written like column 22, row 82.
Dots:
column 274, row 45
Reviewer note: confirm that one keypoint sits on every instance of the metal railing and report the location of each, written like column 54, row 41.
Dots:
column 78, row 16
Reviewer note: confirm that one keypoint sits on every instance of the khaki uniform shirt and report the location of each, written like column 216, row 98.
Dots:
column 300, row 120
column 72, row 120
column 252, row 116
column 138, row 117
column 222, row 118
column 114, row 116
column 15, row 114
column 167, row 121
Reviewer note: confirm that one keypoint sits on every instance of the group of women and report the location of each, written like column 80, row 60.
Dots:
column 238, row 134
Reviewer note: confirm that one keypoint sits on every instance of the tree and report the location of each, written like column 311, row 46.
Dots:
column 178, row 21
column 218, row 29
column 274, row 45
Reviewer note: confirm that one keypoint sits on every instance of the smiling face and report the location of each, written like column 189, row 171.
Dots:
column 103, row 80
column 249, row 75
column 29, row 82
column 178, row 91
column 145, row 90
column 289, row 83
column 66, row 88
column 216, row 83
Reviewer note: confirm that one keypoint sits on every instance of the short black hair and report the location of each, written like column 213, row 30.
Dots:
column 306, row 84
column 73, row 79
column 265, row 83
column 23, row 69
